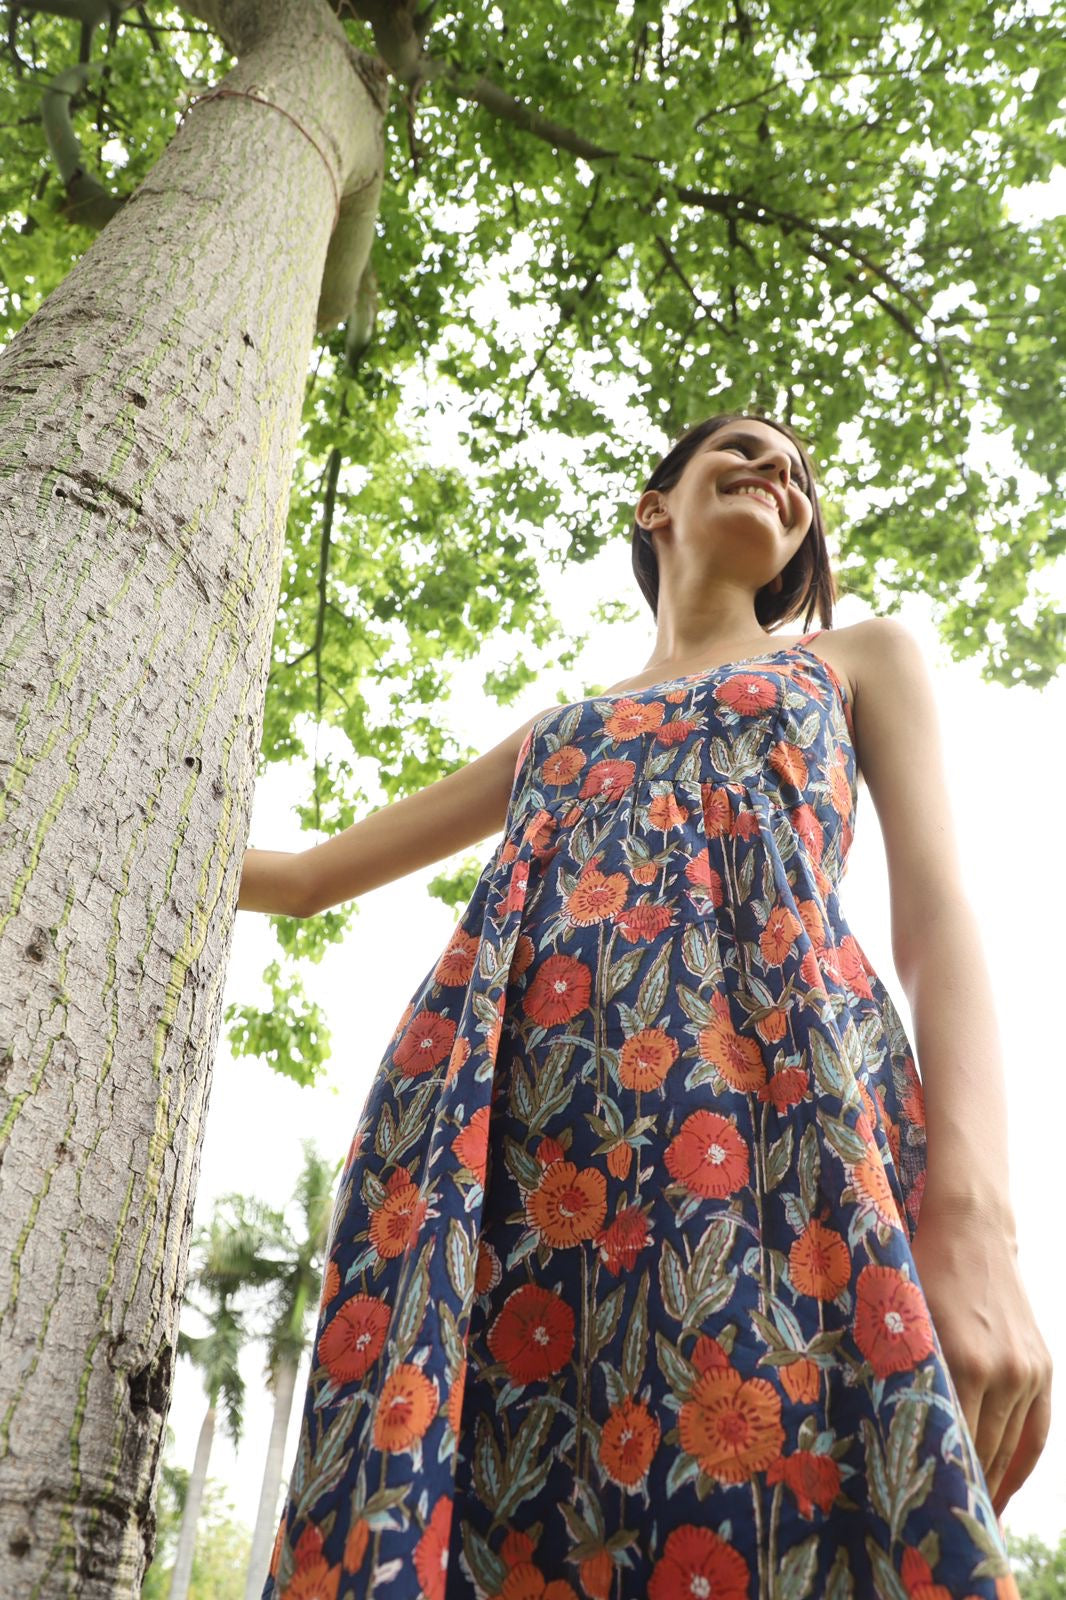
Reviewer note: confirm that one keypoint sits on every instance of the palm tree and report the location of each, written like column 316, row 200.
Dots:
column 235, row 1235
column 295, row 1289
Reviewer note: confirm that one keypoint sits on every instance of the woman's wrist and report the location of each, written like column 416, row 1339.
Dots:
column 988, row 1206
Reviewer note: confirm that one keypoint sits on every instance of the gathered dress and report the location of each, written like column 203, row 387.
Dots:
column 620, row 1301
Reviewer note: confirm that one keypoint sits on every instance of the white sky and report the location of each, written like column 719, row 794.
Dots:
column 1006, row 775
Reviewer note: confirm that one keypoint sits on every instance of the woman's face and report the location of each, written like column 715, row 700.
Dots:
column 710, row 515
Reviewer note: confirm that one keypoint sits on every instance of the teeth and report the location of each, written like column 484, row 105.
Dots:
column 760, row 494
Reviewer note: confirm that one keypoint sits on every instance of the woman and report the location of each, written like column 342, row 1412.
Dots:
column 627, row 1293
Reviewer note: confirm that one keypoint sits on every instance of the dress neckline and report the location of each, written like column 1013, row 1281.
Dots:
column 723, row 666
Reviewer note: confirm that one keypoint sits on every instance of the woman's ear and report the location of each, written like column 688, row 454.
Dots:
column 650, row 506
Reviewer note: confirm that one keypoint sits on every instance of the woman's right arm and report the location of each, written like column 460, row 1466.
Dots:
column 459, row 810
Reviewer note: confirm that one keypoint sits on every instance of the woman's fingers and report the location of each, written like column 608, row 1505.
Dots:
column 1007, row 1406
column 999, row 1365
column 1036, row 1425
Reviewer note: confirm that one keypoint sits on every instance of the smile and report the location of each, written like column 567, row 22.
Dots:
column 764, row 496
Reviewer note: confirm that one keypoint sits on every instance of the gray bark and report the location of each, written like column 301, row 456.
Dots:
column 181, row 1576
column 148, row 417
column 266, row 1520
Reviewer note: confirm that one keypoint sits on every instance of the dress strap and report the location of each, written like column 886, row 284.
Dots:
column 807, row 637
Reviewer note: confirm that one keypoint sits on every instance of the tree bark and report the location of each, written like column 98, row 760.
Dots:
column 266, row 1520
column 181, row 1576
column 148, row 418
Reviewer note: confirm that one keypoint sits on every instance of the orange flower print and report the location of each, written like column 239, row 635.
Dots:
column 355, row 1545
column 787, row 1087
column 676, row 731
column 569, row 1204
column 846, row 965
column 708, row 1156
column 558, row 990
column 279, row 1538
column 524, row 955
column 740, row 1061
column 471, row 1146
column 487, row 1269
column 892, row 1326
column 457, row 963
column 515, row 898
column 533, row 1335
column 913, row 1106
column 664, row 813
column 562, row 766
column 406, row 1406
column 331, row 1282
column 597, row 1574
column 540, row 831
column 703, row 878
column 646, row 1057
column 811, row 972
column 619, row 1159
column 525, row 1581
column 454, row 1407
column 746, row 824
column 747, row 694
column 717, row 810
column 596, row 897
column 819, row 1262
column 808, row 829
column 396, row 1222
column 801, row 1380
column 788, row 762
column 813, row 1479
column 431, row 1551
column 353, row 1338
column 632, row 718
column 428, row 1039
column 873, row 1189
column 695, row 1561
column 315, row 1581
column 458, row 1057
column 549, row 1150
column 813, row 924
column 731, row 1425
column 608, row 780
column 779, row 935
column 771, row 1027
column 518, row 1549
column 628, row 1441
column 645, row 921
column 621, row 1242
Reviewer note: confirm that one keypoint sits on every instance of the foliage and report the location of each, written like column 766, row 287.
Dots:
column 1039, row 1571
column 222, row 1544
column 600, row 224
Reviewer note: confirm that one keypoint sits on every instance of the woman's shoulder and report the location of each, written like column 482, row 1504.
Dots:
column 861, row 648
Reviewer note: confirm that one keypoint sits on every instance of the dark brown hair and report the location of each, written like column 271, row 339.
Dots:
column 807, row 582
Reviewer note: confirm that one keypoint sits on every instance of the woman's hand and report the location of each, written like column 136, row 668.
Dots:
column 967, row 1263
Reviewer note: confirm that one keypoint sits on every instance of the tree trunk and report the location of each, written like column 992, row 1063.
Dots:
column 148, row 418
column 266, row 1519
column 181, row 1576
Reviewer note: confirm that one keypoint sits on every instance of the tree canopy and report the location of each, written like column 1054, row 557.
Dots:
column 597, row 226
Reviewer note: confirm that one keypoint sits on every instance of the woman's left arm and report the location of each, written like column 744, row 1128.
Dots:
column 965, row 1247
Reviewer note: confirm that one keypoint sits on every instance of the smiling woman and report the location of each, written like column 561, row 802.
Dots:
column 624, row 1262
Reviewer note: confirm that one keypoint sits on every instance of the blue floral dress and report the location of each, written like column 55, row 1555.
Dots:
column 620, row 1300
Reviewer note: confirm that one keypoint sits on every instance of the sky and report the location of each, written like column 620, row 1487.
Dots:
column 1006, row 772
